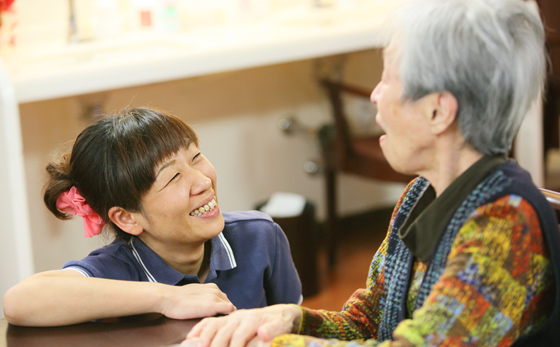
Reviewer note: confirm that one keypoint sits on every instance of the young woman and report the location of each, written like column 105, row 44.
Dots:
column 140, row 175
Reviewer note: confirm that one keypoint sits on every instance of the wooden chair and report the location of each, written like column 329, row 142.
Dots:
column 553, row 198
column 343, row 152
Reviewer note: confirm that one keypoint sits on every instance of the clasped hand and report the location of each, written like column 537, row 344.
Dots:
column 255, row 327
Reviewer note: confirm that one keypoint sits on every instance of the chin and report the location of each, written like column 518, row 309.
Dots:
column 398, row 168
column 219, row 223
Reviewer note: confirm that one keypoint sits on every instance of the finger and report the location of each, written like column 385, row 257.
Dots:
column 269, row 331
column 223, row 335
column 219, row 295
column 224, row 308
column 211, row 285
column 215, row 290
column 198, row 327
column 244, row 333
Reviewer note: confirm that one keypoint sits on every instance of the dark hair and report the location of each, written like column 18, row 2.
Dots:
column 113, row 161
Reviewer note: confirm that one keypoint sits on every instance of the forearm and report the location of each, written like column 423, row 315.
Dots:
column 49, row 299
column 356, row 321
column 361, row 314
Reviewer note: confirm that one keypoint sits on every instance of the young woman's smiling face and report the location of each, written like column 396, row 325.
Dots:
column 181, row 207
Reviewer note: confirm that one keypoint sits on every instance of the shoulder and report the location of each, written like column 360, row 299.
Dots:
column 247, row 218
column 510, row 178
column 511, row 209
column 506, row 206
column 508, row 223
column 250, row 226
column 516, row 183
column 114, row 260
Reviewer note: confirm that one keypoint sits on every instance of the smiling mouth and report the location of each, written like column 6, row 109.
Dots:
column 204, row 209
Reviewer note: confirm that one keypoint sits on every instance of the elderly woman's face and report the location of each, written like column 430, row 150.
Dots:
column 406, row 132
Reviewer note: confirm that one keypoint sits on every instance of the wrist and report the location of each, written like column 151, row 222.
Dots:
column 294, row 312
column 161, row 297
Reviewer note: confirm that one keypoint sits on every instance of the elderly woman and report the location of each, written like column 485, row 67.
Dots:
column 471, row 255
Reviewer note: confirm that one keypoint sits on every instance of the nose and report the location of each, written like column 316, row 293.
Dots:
column 201, row 183
column 374, row 97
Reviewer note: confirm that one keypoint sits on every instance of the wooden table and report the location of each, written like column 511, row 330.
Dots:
column 149, row 330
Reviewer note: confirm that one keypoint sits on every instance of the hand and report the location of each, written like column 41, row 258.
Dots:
column 195, row 301
column 255, row 327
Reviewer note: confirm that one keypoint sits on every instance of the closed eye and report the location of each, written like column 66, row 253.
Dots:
column 171, row 180
column 197, row 155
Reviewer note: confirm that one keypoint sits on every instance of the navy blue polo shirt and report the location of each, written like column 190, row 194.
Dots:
column 250, row 262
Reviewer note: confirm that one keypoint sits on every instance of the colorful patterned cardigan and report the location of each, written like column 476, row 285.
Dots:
column 490, row 281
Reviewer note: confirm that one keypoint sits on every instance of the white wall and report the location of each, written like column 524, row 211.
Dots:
column 16, row 261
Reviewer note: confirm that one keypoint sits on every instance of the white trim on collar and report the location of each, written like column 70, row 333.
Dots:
column 229, row 251
column 151, row 278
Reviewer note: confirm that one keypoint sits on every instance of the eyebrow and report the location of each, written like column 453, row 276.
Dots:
column 164, row 166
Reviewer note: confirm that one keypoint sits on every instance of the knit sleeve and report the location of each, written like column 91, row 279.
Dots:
column 358, row 320
column 495, row 287
column 361, row 314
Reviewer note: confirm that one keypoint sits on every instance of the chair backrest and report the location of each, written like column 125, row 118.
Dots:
column 553, row 198
column 341, row 127
column 335, row 91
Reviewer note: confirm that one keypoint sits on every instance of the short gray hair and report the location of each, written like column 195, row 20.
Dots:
column 489, row 54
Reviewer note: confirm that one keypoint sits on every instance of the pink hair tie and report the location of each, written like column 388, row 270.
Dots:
column 72, row 202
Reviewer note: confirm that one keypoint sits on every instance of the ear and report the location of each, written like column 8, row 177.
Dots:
column 444, row 112
column 127, row 221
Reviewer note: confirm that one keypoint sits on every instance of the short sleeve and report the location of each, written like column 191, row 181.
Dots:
column 107, row 262
column 282, row 284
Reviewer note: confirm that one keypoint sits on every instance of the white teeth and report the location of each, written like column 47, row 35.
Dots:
column 201, row 210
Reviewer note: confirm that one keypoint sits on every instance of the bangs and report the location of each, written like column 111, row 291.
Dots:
column 162, row 137
column 146, row 137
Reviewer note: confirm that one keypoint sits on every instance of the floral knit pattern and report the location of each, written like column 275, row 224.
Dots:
column 497, row 285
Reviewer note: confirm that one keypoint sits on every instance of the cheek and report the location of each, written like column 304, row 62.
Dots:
column 387, row 103
column 209, row 171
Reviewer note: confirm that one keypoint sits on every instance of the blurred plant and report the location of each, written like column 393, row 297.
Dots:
column 5, row 5
column 7, row 34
